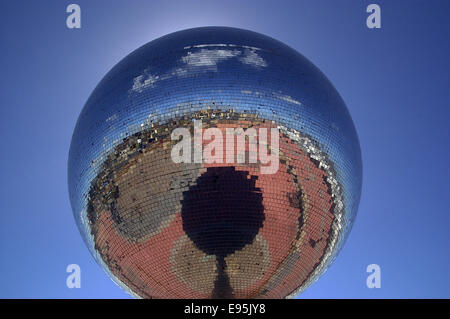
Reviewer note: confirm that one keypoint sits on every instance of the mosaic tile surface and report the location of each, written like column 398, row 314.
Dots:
column 162, row 229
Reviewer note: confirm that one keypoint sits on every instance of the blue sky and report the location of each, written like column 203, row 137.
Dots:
column 394, row 80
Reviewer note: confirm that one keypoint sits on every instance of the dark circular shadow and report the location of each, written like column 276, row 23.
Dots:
column 223, row 212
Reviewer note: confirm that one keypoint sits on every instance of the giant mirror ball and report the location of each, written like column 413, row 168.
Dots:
column 197, row 228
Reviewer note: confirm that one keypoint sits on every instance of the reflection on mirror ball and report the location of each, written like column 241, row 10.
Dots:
column 161, row 228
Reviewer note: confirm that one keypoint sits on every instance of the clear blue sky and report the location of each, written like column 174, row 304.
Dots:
column 395, row 82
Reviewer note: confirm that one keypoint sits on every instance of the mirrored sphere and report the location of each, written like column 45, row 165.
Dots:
column 229, row 223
